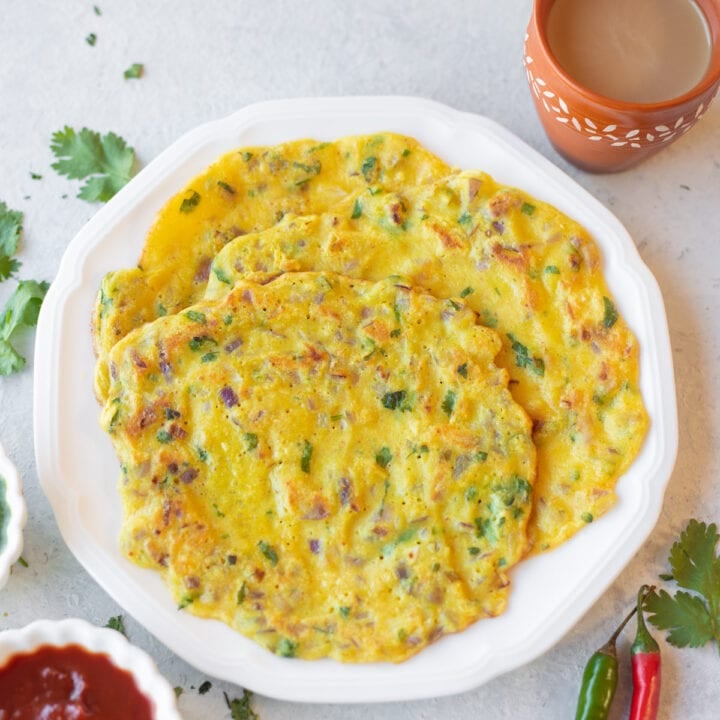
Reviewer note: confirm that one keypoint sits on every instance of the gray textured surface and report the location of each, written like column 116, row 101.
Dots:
column 204, row 61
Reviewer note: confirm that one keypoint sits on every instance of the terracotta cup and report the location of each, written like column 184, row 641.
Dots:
column 600, row 134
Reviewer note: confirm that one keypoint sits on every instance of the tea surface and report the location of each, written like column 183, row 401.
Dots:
column 642, row 51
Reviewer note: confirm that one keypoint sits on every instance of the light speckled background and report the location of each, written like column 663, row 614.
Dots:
column 204, row 60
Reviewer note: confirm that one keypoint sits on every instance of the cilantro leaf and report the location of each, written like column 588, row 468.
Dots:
column 692, row 619
column 8, row 266
column 134, row 72
column 523, row 359
column 10, row 227
column 448, row 403
column 116, row 623
column 610, row 314
column 693, row 562
column 269, row 552
column 21, row 309
column 106, row 162
column 383, row 457
column 685, row 615
column 307, row 452
column 10, row 361
column 240, row 707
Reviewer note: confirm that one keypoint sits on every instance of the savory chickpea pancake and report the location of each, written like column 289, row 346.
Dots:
column 532, row 274
column 334, row 467
column 245, row 191
column 351, row 387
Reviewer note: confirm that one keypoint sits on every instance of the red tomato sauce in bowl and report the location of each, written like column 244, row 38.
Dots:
column 69, row 683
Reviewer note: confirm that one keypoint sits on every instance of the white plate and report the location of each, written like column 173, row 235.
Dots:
column 11, row 493
column 78, row 469
column 123, row 655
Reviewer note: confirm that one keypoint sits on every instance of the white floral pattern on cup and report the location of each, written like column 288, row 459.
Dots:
column 597, row 131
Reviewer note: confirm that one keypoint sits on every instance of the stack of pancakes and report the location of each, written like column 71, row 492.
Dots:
column 350, row 387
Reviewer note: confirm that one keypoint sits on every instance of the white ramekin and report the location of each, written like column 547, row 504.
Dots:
column 10, row 551
column 59, row 633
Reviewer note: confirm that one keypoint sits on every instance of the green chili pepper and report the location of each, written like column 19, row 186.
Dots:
column 600, row 679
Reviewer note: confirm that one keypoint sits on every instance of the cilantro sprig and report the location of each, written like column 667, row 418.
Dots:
column 104, row 162
column 692, row 618
column 23, row 306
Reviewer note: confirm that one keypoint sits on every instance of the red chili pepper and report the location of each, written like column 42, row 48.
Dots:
column 646, row 674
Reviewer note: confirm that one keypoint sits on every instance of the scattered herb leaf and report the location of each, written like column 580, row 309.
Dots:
column 185, row 601
column 383, row 457
column 368, row 168
column 21, row 310
column 286, row 648
column 134, row 72
column 357, row 210
column 307, row 452
column 229, row 189
column 269, row 552
column 91, row 39
column 395, row 400
column 197, row 317
column 105, row 162
column 190, row 203
column 116, row 623
column 692, row 619
column 221, row 275
column 610, row 313
column 527, row 208
column 8, row 267
column 205, row 687
column 448, row 403
column 10, row 228
column 199, row 341
column 523, row 358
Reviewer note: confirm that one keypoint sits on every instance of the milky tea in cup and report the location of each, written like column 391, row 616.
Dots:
column 616, row 80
